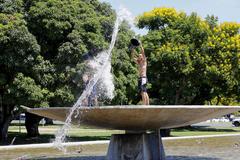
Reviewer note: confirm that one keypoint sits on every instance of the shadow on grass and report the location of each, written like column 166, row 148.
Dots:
column 103, row 158
column 203, row 129
column 16, row 123
column 190, row 158
column 55, row 125
column 21, row 138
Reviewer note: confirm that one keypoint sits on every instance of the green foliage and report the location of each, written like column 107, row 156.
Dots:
column 191, row 60
column 18, row 60
column 27, row 92
column 73, row 27
column 11, row 6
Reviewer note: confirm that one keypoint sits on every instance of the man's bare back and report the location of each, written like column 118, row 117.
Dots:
column 142, row 62
column 142, row 66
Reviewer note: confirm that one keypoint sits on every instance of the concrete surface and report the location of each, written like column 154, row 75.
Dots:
column 138, row 117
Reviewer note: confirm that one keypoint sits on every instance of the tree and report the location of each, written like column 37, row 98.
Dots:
column 68, row 37
column 42, row 45
column 191, row 60
column 19, row 58
column 223, row 47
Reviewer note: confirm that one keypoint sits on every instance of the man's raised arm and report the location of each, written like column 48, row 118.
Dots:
column 133, row 55
column 142, row 51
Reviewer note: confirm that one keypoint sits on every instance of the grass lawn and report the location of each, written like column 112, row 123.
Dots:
column 197, row 131
column 90, row 134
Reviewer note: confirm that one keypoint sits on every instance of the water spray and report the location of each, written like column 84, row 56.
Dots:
column 105, row 59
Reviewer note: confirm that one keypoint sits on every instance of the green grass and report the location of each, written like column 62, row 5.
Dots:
column 47, row 134
column 197, row 131
column 89, row 134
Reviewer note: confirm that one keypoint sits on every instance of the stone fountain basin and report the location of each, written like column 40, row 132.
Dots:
column 137, row 117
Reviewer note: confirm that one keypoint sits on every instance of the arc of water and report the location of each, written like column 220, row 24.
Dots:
column 62, row 132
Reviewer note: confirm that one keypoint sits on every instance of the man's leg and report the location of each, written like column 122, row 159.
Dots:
column 146, row 98
column 96, row 102
column 143, row 98
column 85, row 102
column 144, row 93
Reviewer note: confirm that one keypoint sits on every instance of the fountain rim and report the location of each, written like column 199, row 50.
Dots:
column 144, row 107
column 163, row 115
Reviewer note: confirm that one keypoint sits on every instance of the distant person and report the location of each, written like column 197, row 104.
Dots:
column 91, row 99
column 141, row 60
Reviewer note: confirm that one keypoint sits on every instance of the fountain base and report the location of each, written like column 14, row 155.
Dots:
column 136, row 146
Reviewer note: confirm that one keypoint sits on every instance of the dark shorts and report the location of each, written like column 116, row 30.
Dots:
column 142, row 84
column 92, row 96
column 91, row 99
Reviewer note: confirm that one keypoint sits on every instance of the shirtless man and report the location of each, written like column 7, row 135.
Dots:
column 141, row 61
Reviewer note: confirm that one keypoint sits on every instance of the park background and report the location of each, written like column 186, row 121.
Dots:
column 192, row 60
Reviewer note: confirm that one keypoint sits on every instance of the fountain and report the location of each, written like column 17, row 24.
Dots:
column 142, row 140
column 137, row 120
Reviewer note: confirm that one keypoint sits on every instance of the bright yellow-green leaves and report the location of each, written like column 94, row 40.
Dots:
column 203, row 24
column 224, row 48
column 229, row 28
column 221, row 100
column 225, row 36
column 158, row 16
column 168, row 14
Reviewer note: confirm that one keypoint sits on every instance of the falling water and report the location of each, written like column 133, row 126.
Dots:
column 105, row 86
column 104, row 59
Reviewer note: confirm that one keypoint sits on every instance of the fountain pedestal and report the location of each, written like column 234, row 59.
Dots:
column 136, row 146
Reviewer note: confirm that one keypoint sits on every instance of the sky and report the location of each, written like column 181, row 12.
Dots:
column 225, row 10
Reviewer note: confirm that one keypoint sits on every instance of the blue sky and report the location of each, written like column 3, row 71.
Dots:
column 225, row 10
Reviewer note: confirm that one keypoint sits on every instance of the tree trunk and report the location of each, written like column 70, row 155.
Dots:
column 165, row 132
column 179, row 91
column 31, row 124
column 202, row 96
column 4, row 129
column 177, row 96
column 7, row 114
